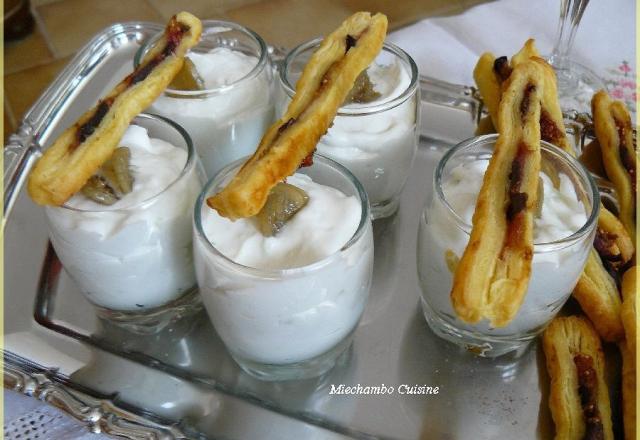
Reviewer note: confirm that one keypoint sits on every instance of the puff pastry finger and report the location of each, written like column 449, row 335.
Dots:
column 629, row 295
column 628, row 349
column 614, row 131
column 578, row 398
column 320, row 91
column 493, row 274
column 597, row 288
column 552, row 127
column 78, row 153
column 629, row 390
column 490, row 72
column 488, row 84
column 597, row 293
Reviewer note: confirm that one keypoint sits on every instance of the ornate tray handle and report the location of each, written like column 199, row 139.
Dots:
column 99, row 415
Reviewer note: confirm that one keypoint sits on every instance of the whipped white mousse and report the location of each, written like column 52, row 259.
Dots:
column 378, row 147
column 320, row 229
column 226, row 121
column 297, row 294
column 556, row 266
column 137, row 253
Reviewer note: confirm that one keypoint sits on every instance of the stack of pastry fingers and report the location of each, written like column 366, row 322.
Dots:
column 606, row 291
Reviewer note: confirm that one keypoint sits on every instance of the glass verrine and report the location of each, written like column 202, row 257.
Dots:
column 281, row 324
column 376, row 141
column 226, row 120
column 133, row 260
column 563, row 236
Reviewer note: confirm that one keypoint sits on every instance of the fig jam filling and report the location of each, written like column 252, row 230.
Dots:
column 588, row 391
column 517, row 199
column 604, row 244
column 526, row 99
column 501, row 68
column 627, row 161
column 85, row 130
column 174, row 34
column 350, row 41
column 549, row 131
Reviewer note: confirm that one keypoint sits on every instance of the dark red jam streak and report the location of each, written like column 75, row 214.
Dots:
column 628, row 162
column 87, row 129
column 286, row 125
column 604, row 243
column 517, row 199
column 308, row 161
column 526, row 99
column 549, row 131
column 501, row 68
column 350, row 41
column 588, row 391
column 174, row 34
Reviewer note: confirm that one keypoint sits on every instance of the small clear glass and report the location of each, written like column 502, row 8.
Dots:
column 376, row 141
column 226, row 122
column 135, row 264
column 291, row 323
column 556, row 265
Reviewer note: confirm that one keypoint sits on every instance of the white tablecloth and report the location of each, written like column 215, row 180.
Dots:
column 448, row 47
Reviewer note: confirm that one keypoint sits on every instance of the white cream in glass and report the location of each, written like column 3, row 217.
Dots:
column 227, row 118
column 134, row 258
column 286, row 306
column 375, row 140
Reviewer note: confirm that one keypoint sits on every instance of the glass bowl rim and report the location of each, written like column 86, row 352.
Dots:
column 568, row 159
column 363, row 109
column 188, row 166
column 277, row 274
column 254, row 72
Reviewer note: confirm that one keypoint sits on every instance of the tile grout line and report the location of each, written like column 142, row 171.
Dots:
column 45, row 33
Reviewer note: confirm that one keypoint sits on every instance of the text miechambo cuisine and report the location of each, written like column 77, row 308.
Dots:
column 383, row 389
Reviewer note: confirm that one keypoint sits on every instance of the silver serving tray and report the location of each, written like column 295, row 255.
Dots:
column 181, row 383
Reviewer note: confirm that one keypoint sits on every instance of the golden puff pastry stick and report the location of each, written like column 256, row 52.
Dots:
column 628, row 349
column 81, row 149
column 614, row 131
column 493, row 274
column 621, row 247
column 629, row 390
column 578, row 397
column 597, row 288
column 597, row 293
column 325, row 83
column 488, row 84
column 491, row 72
column 629, row 296
column 552, row 127
column 528, row 51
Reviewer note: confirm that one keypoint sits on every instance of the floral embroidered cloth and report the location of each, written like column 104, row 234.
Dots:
column 448, row 47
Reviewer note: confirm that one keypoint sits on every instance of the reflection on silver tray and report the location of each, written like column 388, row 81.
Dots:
column 184, row 376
